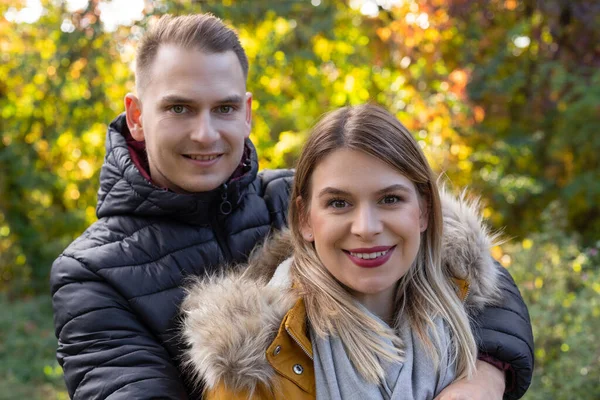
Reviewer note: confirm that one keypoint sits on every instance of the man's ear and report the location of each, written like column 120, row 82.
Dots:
column 133, row 113
column 305, row 227
column 248, row 115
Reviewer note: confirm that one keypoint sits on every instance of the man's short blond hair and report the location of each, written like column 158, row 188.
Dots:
column 203, row 32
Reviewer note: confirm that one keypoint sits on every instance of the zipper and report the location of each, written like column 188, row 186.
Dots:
column 298, row 343
column 467, row 294
column 225, row 207
column 224, row 210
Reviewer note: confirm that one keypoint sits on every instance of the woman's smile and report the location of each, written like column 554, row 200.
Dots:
column 370, row 257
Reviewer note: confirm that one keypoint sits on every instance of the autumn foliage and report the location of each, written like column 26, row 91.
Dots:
column 503, row 95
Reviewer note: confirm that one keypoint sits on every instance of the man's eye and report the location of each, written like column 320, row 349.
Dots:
column 337, row 203
column 225, row 109
column 178, row 109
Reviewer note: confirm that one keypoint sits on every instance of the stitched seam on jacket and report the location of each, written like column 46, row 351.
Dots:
column 88, row 312
column 131, row 186
column 144, row 349
column 87, row 267
column 514, row 312
column 157, row 259
column 513, row 335
column 120, row 240
column 251, row 227
column 144, row 200
column 111, row 153
column 139, row 380
column 107, row 340
column 155, row 292
column 508, row 284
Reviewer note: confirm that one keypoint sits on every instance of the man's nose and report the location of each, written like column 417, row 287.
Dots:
column 367, row 222
column 204, row 131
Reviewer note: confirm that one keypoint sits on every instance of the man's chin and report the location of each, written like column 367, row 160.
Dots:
column 208, row 184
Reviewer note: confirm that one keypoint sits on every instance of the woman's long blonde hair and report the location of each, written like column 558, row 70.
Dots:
column 424, row 293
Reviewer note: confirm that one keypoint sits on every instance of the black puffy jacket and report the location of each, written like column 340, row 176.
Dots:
column 116, row 290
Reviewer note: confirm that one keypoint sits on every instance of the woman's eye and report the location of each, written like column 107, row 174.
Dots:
column 178, row 109
column 391, row 200
column 338, row 203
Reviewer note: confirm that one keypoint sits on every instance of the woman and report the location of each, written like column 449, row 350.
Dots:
column 378, row 300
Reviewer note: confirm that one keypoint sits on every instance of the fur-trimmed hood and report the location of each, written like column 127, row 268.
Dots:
column 230, row 319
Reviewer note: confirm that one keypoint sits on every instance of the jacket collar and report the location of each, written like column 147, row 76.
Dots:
column 126, row 187
column 292, row 349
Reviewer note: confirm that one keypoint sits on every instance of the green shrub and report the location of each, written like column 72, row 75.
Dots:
column 560, row 282
column 27, row 349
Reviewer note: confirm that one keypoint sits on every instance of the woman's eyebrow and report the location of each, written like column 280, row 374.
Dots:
column 395, row 187
column 339, row 192
column 332, row 191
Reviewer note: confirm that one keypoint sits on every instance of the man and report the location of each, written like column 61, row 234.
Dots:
column 180, row 195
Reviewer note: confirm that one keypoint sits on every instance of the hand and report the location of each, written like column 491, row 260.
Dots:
column 487, row 384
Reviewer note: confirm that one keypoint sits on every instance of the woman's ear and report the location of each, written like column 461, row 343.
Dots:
column 424, row 214
column 304, row 220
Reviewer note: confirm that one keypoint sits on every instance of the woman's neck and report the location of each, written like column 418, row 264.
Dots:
column 381, row 304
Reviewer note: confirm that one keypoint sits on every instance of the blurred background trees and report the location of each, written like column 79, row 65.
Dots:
column 503, row 95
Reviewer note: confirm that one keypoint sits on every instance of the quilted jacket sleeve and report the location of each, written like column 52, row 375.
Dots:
column 277, row 185
column 504, row 332
column 105, row 351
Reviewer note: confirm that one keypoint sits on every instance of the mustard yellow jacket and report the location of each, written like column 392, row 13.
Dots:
column 290, row 354
column 248, row 338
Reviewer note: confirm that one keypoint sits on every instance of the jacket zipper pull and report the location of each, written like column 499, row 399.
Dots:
column 225, row 206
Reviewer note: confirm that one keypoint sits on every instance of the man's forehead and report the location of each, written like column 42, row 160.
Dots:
column 196, row 76
column 171, row 56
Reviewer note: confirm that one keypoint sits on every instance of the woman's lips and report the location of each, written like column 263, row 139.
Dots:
column 371, row 252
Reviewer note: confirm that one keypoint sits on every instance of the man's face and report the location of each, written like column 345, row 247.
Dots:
column 194, row 115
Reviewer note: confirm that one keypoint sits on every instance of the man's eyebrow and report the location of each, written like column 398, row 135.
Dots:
column 234, row 99
column 176, row 99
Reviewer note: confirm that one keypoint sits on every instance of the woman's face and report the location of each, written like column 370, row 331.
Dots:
column 365, row 219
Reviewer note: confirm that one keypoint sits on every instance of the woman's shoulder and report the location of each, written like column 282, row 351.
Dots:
column 229, row 322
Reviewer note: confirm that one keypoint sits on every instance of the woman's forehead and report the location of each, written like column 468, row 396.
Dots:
column 356, row 171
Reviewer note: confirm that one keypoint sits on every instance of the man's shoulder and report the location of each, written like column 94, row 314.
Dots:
column 102, row 242
column 276, row 182
column 268, row 176
column 276, row 185
column 109, row 230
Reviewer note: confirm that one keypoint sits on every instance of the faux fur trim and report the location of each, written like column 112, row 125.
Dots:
column 466, row 245
column 231, row 319
column 265, row 259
